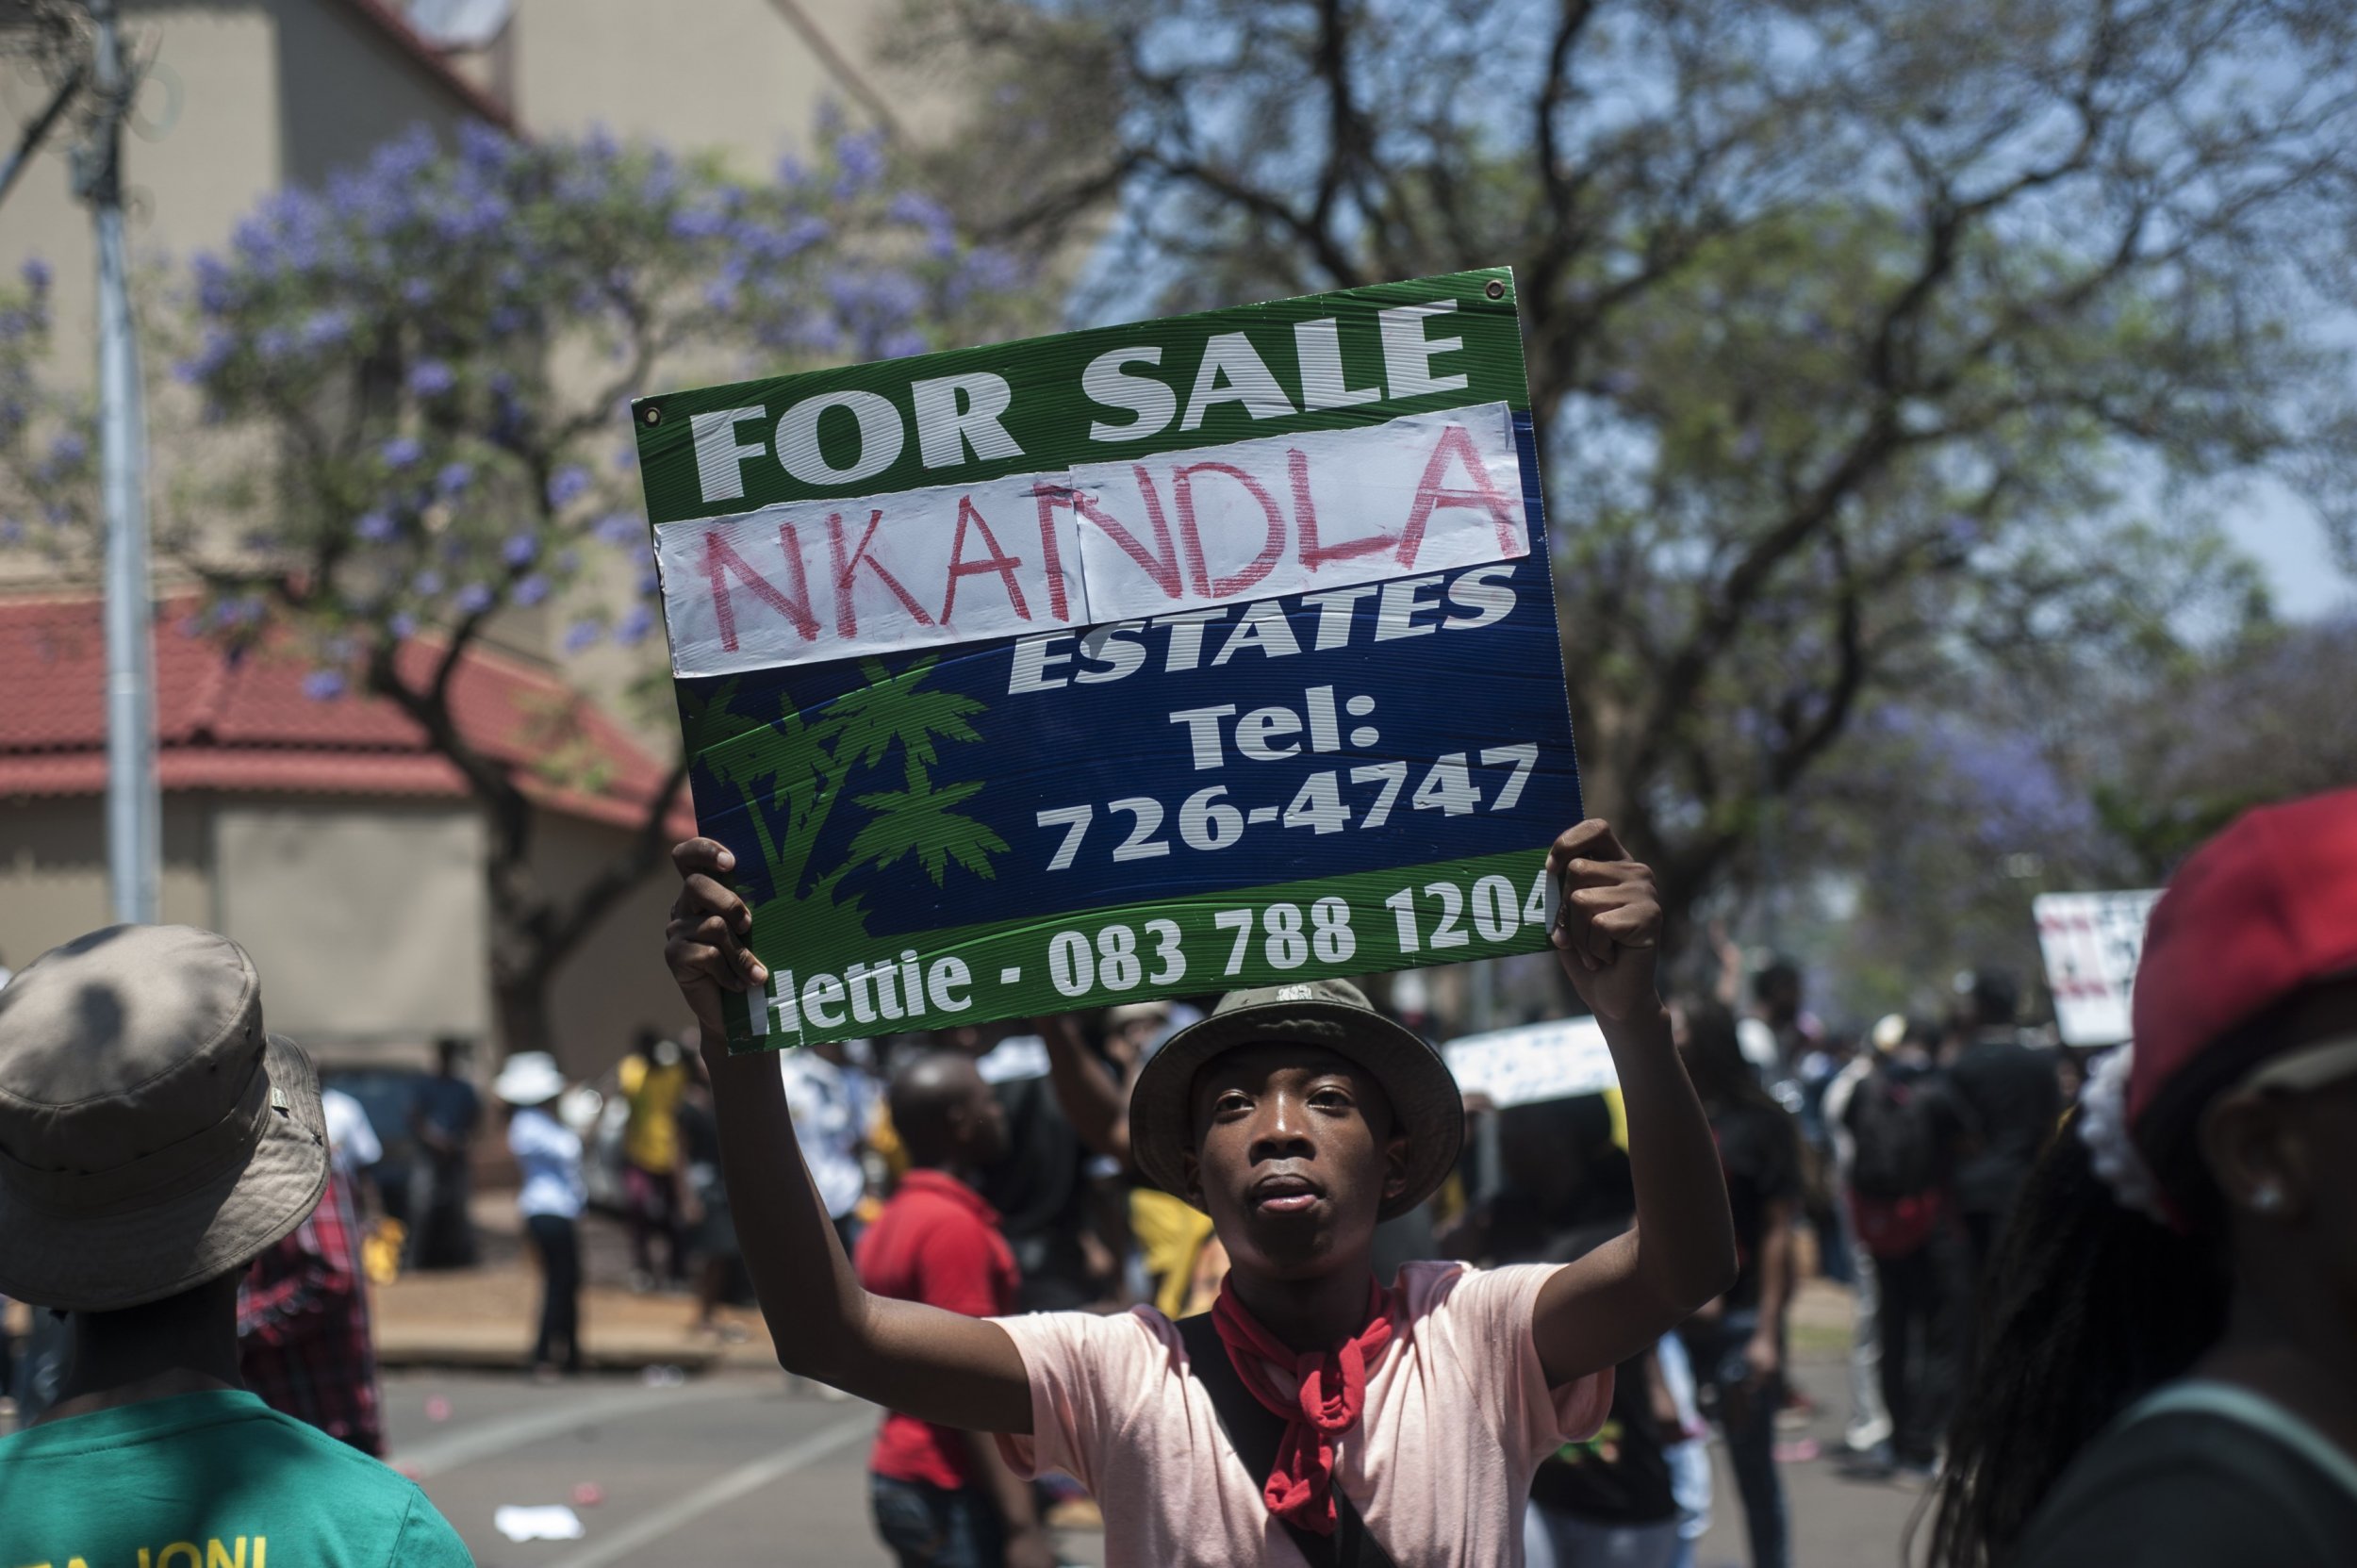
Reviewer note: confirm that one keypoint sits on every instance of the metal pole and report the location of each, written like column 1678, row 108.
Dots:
column 134, row 807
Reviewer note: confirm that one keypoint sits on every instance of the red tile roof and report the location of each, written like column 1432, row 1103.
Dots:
column 246, row 723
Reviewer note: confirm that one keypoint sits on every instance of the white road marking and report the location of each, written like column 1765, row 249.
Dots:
column 727, row 1488
column 514, row 1431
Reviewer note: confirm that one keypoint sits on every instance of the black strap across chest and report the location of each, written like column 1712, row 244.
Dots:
column 1256, row 1431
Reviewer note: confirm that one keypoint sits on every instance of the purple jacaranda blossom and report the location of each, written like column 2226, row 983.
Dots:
column 914, row 206
column 520, row 550
column 530, row 589
column 453, row 478
column 403, row 624
column 427, row 582
column 218, row 349
column 325, row 329
column 860, row 159
column 582, row 635
column 376, row 527
column 473, row 599
column 324, row 685
column 431, row 378
column 992, row 271
column 621, row 529
column 635, row 626
column 401, row 451
column 802, row 233
column 274, row 343
column 35, row 273
column 68, row 449
column 567, row 484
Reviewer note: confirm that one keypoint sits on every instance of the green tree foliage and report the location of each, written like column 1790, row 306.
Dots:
column 1882, row 351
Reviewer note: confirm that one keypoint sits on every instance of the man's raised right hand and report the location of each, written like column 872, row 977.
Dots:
column 704, row 943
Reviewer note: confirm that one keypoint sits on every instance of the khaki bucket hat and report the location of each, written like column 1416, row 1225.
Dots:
column 1330, row 1014
column 151, row 1135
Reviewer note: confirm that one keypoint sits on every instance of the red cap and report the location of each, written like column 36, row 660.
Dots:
column 2264, row 908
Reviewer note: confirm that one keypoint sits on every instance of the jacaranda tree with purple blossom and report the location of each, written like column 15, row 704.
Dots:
column 48, row 451
column 424, row 368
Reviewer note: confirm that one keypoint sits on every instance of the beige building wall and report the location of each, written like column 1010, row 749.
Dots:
column 53, row 870
column 344, row 88
column 366, row 918
column 734, row 76
column 617, row 981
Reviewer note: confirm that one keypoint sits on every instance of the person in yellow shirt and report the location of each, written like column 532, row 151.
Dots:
column 653, row 1077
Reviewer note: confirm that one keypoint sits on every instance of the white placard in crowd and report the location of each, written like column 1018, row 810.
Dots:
column 2091, row 942
column 1521, row 1067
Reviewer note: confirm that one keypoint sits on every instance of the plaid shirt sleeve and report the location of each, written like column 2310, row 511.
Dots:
column 303, row 1276
column 302, row 1325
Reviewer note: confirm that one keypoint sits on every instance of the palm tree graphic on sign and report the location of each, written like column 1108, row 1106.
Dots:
column 791, row 771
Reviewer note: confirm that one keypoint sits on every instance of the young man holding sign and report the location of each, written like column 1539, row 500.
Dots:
column 1387, row 1424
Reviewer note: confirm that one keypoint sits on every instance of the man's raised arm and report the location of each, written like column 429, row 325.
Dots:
column 1622, row 1298
column 936, row 1365
column 1095, row 1104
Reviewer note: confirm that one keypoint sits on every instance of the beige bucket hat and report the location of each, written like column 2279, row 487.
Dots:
column 151, row 1135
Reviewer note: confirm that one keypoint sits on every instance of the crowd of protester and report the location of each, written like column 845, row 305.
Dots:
column 2101, row 1313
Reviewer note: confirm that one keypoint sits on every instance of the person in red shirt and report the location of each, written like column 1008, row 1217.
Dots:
column 943, row 1497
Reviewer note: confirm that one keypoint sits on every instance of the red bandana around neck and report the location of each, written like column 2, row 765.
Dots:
column 1331, row 1396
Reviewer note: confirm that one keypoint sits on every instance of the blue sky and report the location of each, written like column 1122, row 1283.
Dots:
column 2285, row 537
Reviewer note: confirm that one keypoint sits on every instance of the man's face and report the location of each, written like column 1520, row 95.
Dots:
column 1295, row 1153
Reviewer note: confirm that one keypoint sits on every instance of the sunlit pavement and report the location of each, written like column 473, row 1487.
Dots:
column 720, row 1472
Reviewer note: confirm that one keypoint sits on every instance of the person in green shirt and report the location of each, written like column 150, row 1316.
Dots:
column 154, row 1140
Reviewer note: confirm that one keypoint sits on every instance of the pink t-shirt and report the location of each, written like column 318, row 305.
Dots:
column 1457, row 1417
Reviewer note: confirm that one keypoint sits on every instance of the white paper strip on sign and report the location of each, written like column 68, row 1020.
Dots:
column 1292, row 513
column 1521, row 1067
column 824, row 579
column 2091, row 943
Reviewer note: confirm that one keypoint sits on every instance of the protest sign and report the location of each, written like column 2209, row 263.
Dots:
column 1139, row 662
column 1537, row 1062
column 2091, row 942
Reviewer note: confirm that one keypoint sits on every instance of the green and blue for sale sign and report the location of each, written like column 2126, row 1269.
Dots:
column 1211, row 652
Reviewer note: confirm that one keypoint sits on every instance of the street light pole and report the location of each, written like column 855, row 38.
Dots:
column 134, row 807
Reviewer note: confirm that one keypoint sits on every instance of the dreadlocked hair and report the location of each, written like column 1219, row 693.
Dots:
column 2088, row 1306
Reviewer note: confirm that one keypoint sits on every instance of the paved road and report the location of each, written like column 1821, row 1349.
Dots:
column 727, row 1471
column 1836, row 1523
column 735, row 1470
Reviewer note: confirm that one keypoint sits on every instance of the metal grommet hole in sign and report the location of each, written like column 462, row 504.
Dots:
column 1495, row 289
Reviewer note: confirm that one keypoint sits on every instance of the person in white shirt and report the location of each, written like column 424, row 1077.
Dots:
column 353, row 1146
column 547, row 1155
column 830, row 1103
